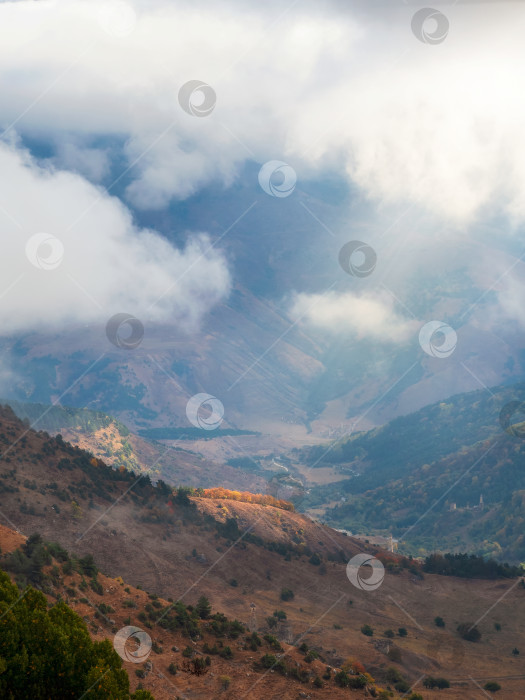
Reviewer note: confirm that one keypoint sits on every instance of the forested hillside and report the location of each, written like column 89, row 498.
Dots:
column 421, row 477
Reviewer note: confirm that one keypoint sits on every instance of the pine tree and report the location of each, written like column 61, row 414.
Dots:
column 203, row 608
column 48, row 652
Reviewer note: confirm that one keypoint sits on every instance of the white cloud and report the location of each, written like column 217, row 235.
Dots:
column 108, row 265
column 407, row 122
column 371, row 315
column 93, row 163
column 354, row 91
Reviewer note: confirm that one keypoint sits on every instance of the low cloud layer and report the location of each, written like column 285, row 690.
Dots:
column 340, row 88
column 370, row 316
column 346, row 88
column 72, row 254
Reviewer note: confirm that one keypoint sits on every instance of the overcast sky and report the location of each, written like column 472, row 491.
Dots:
column 349, row 89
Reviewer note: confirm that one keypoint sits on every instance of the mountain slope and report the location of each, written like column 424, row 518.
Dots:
column 110, row 440
column 408, row 474
column 182, row 548
column 111, row 604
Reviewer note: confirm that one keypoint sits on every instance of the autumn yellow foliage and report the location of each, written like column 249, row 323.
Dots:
column 247, row 497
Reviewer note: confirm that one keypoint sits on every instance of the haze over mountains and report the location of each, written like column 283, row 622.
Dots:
column 241, row 294
column 262, row 316
column 308, row 376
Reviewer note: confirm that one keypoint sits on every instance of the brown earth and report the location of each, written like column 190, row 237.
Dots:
column 177, row 552
column 245, row 682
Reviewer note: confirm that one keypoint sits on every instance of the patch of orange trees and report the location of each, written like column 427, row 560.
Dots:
column 246, row 497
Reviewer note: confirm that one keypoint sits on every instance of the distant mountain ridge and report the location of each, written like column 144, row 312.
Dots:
column 110, row 440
